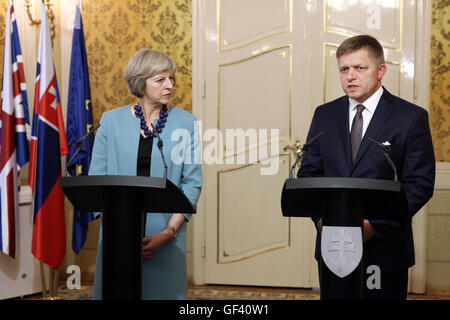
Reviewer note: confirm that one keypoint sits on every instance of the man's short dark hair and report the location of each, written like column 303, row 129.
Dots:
column 362, row 41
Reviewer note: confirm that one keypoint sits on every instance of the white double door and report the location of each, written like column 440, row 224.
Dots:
column 260, row 66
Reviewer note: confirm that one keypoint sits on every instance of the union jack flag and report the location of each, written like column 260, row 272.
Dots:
column 15, row 133
column 48, row 145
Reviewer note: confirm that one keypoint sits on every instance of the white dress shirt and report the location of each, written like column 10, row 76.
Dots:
column 369, row 109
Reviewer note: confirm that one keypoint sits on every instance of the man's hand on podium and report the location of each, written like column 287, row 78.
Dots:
column 369, row 231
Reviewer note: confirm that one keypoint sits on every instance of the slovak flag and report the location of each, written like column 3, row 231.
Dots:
column 15, row 133
column 48, row 145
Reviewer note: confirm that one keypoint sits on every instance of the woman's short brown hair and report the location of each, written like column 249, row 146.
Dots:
column 145, row 64
column 362, row 41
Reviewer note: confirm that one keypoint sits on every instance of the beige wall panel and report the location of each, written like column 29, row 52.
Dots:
column 391, row 79
column 332, row 89
column 438, row 278
column 382, row 19
column 438, row 234
column 239, row 236
column 261, row 90
column 440, row 203
column 438, row 226
column 270, row 19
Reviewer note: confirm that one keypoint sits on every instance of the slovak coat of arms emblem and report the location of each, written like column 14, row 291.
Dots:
column 341, row 249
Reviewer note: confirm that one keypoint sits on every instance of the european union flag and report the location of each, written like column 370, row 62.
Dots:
column 79, row 122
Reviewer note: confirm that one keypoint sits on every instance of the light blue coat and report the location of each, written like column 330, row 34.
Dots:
column 115, row 153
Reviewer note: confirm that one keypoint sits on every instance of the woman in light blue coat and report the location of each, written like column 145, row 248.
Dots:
column 126, row 145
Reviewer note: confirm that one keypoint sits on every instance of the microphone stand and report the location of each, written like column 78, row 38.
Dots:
column 160, row 146
column 303, row 150
column 386, row 149
column 78, row 144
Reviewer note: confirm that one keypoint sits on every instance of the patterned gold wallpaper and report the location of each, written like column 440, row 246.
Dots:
column 440, row 79
column 114, row 30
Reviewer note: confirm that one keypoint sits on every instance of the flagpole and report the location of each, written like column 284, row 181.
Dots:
column 52, row 279
column 43, row 285
column 52, row 293
column 52, row 283
column 33, row 191
column 56, row 283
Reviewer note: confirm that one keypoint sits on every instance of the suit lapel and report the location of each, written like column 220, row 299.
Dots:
column 381, row 115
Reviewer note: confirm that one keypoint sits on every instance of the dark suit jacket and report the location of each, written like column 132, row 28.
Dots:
column 406, row 127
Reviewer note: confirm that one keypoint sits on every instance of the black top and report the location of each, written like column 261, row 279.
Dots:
column 144, row 158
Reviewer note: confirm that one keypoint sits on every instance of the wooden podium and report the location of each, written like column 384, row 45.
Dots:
column 343, row 202
column 123, row 200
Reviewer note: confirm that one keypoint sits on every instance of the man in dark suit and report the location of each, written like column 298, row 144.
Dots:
column 344, row 150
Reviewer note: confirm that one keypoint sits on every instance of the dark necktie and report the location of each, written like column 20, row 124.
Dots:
column 356, row 132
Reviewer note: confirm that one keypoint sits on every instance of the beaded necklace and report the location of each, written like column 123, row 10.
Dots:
column 159, row 125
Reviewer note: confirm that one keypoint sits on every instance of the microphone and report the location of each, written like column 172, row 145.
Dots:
column 386, row 149
column 160, row 146
column 78, row 144
column 303, row 150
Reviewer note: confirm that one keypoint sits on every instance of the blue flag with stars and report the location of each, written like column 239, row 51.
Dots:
column 79, row 122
